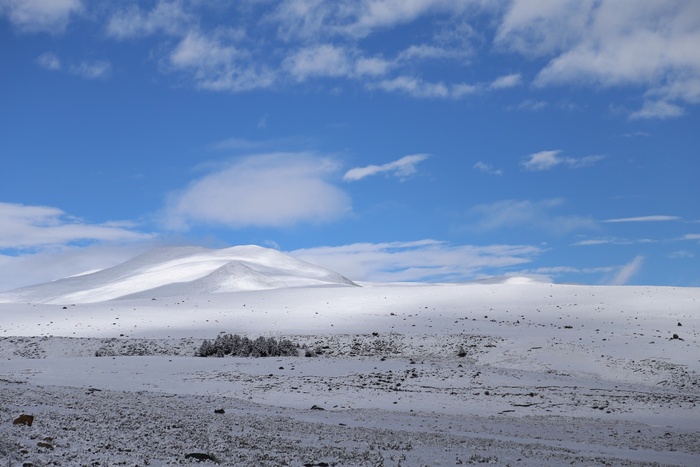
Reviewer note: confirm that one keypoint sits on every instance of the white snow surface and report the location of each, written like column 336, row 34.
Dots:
column 509, row 373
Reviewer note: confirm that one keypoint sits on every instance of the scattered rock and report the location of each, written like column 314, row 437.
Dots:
column 24, row 419
column 44, row 445
column 200, row 456
column 315, row 407
column 676, row 337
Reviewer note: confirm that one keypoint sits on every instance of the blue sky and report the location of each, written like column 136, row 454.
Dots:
column 438, row 140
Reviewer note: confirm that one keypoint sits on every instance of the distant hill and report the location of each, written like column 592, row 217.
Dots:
column 183, row 270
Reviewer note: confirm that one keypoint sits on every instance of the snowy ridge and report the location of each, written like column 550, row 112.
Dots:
column 183, row 270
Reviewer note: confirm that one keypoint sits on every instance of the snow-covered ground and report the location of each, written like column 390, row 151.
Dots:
column 509, row 372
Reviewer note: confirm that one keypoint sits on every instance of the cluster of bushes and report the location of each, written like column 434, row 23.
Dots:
column 237, row 346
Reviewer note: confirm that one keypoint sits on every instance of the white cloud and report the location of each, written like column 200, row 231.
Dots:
column 417, row 261
column 268, row 190
column 313, row 18
column 528, row 214
column 92, row 70
column 483, row 167
column 218, row 66
column 430, row 52
column 166, row 17
column 657, row 109
column 319, row 60
column 530, row 104
column 645, row 219
column 546, row 160
column 401, row 168
column 26, row 227
column 49, row 61
column 50, row 16
column 507, row 81
column 681, row 254
column 627, row 271
column 422, row 89
column 372, row 66
column 612, row 43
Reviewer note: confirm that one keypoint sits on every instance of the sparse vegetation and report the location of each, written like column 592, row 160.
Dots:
column 236, row 346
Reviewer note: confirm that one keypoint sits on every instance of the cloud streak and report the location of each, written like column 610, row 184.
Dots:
column 644, row 219
column 26, row 227
column 627, row 271
column 422, row 260
column 547, row 160
column 401, row 168
column 528, row 214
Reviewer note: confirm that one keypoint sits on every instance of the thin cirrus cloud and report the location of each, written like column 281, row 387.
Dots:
column 526, row 213
column 417, row 261
column 49, row 61
column 401, row 168
column 50, row 16
column 627, row 271
column 657, row 218
column 267, row 190
column 93, row 69
column 26, row 227
column 546, row 160
column 60, row 261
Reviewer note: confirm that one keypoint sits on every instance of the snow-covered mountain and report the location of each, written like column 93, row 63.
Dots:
column 181, row 271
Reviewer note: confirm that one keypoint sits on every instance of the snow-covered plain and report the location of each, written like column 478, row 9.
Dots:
column 510, row 372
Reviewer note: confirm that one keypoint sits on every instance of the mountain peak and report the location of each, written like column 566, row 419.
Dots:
column 184, row 270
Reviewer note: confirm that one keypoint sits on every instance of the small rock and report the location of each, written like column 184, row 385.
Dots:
column 44, row 445
column 24, row 419
column 315, row 407
column 199, row 456
column 219, row 411
column 679, row 323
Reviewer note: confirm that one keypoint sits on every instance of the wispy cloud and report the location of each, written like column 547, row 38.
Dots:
column 483, row 167
column 657, row 109
column 168, row 17
column 401, row 168
column 85, row 69
column 627, row 271
column 681, row 254
column 526, row 214
column 267, row 190
column 25, row 227
column 215, row 64
column 49, row 61
column 546, row 160
column 50, row 16
column 507, row 81
column 644, row 219
column 531, row 105
column 417, row 261
column 92, row 70
column 56, row 262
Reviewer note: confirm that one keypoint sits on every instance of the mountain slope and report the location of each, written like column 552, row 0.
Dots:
column 183, row 270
